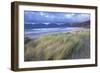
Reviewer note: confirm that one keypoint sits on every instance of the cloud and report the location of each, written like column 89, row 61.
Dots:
column 55, row 17
column 70, row 15
column 47, row 23
column 82, row 17
column 42, row 13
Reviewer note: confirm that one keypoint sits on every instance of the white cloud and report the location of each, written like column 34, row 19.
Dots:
column 83, row 17
column 46, row 23
column 46, row 15
column 42, row 13
column 33, row 23
column 69, row 15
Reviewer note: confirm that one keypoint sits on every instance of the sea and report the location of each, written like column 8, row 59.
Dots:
column 36, row 32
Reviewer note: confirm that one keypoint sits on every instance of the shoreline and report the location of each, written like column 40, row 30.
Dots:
column 33, row 34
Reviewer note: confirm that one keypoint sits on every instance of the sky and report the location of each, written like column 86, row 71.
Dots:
column 54, row 17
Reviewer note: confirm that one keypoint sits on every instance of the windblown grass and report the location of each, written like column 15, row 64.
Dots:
column 55, row 46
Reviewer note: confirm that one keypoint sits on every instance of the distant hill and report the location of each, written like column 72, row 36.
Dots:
column 85, row 24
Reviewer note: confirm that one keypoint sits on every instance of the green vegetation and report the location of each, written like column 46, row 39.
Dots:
column 55, row 46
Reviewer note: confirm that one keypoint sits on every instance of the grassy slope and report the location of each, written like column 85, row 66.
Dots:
column 58, row 46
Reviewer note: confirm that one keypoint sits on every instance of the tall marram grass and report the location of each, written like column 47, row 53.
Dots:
column 54, row 46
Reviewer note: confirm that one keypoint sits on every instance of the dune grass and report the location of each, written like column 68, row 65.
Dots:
column 55, row 46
